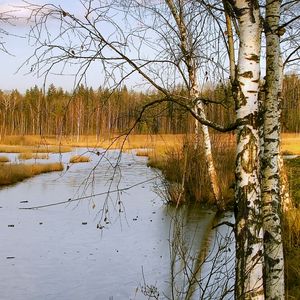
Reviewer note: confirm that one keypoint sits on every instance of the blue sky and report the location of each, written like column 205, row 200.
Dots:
column 19, row 50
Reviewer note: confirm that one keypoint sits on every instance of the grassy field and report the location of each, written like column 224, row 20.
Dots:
column 160, row 142
column 13, row 173
column 115, row 142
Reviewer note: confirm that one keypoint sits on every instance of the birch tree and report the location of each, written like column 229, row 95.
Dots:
column 273, row 248
column 280, row 15
column 188, row 52
column 249, row 234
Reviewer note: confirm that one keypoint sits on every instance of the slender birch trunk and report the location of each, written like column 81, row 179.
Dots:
column 249, row 233
column 187, row 51
column 212, row 173
column 273, row 248
column 285, row 197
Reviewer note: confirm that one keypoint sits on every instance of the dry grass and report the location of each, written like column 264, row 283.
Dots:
column 291, row 231
column 4, row 159
column 292, row 252
column 113, row 142
column 291, row 143
column 293, row 169
column 28, row 155
column 185, row 166
column 144, row 141
column 79, row 159
column 36, row 149
column 28, row 140
column 13, row 173
column 143, row 152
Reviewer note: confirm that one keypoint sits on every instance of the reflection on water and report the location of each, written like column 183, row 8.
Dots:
column 59, row 253
column 201, row 255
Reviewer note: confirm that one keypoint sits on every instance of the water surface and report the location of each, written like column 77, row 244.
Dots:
column 59, row 252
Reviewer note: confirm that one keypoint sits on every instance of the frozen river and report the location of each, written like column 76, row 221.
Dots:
column 116, row 246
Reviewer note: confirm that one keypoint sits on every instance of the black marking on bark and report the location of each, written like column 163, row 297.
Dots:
column 252, row 6
column 254, row 57
column 271, row 262
column 274, row 129
column 251, row 119
column 249, row 153
column 281, row 31
column 271, row 140
column 248, row 74
column 275, row 176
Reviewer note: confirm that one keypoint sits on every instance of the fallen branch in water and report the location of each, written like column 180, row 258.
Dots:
column 93, row 195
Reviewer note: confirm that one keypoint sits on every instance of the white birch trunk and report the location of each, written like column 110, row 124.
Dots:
column 187, row 50
column 285, row 197
column 249, row 233
column 273, row 248
column 212, row 173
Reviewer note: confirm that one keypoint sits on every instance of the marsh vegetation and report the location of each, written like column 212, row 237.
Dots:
column 79, row 159
column 13, row 173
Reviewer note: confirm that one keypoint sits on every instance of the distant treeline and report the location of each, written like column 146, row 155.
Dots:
column 101, row 112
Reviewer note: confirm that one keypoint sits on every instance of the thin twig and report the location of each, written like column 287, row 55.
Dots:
column 93, row 195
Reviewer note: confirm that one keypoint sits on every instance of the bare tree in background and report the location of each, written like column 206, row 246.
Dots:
column 6, row 19
column 3, row 19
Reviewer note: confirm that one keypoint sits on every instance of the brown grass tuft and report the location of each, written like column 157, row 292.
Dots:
column 186, row 167
column 14, row 173
column 4, row 159
column 28, row 155
column 36, row 149
column 79, row 159
column 142, row 152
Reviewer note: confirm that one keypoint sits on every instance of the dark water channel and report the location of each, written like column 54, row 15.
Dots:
column 58, row 252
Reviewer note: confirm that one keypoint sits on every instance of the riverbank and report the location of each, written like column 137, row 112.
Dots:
column 13, row 173
column 290, row 141
column 181, row 163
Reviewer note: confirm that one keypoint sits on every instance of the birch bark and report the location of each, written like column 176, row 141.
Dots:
column 212, row 173
column 285, row 197
column 249, row 233
column 273, row 248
